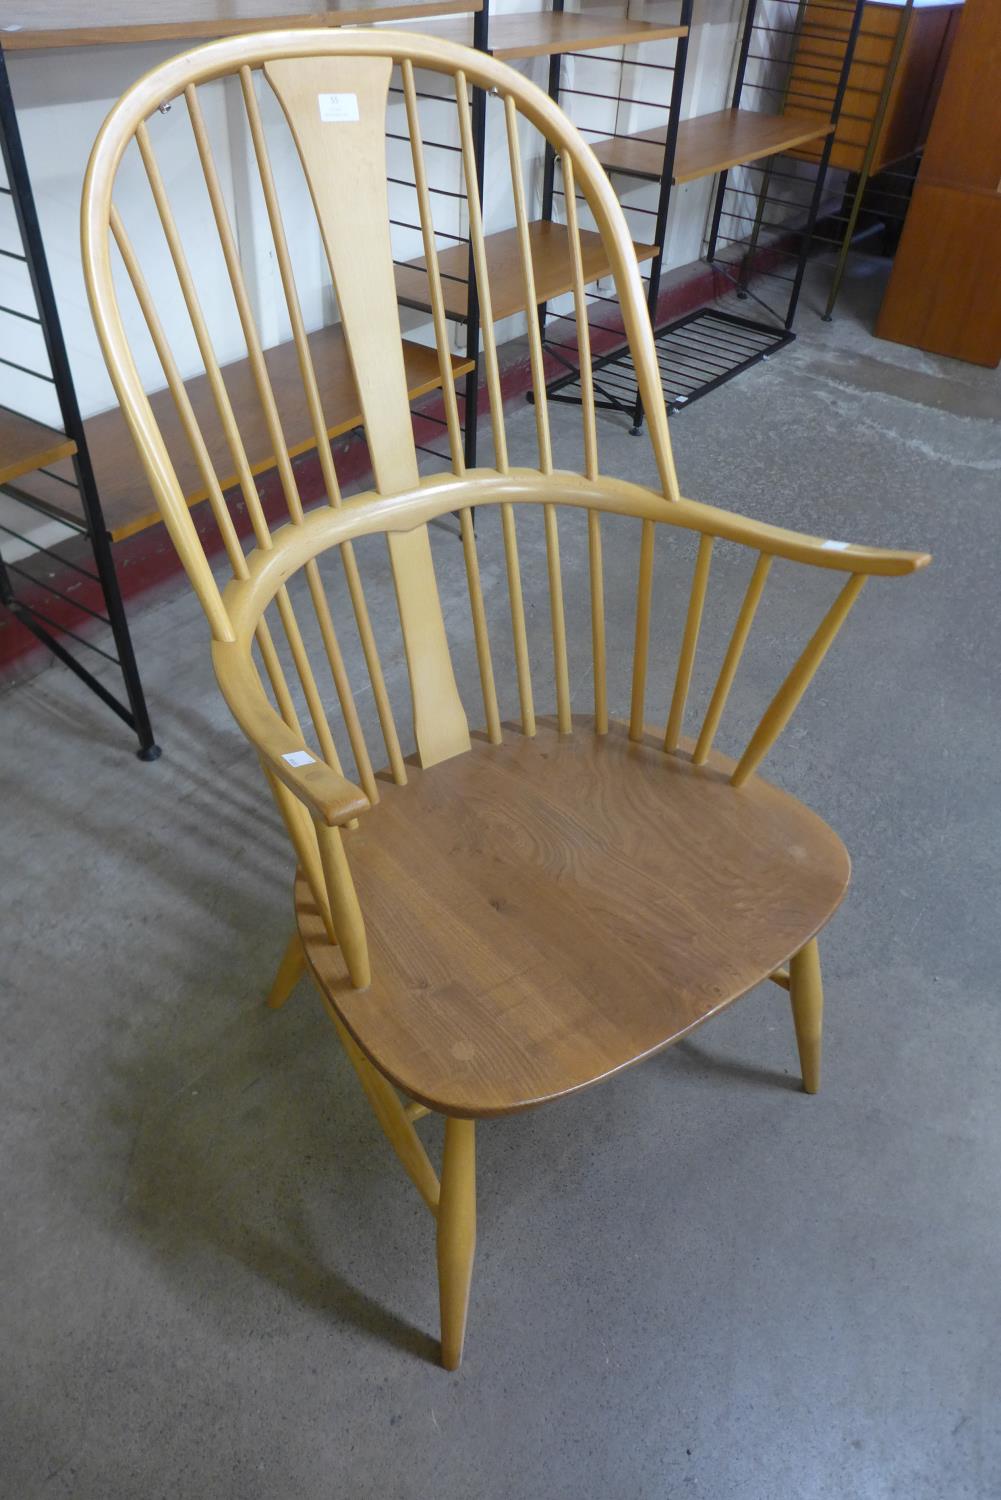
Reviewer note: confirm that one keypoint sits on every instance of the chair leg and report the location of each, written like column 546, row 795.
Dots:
column 456, row 1235
column 392, row 1116
column 806, row 991
column 290, row 971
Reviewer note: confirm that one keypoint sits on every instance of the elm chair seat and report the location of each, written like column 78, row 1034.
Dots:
column 547, row 911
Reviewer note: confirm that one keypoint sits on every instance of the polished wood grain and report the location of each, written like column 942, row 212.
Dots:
column 26, row 445
column 917, row 79
column 551, row 260
column 708, row 143
column 30, row 24
column 545, row 32
column 125, row 494
column 942, row 294
column 546, row 912
column 964, row 143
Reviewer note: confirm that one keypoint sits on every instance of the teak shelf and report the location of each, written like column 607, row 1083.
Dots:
column 127, row 502
column 26, row 445
column 548, row 33
column 70, row 23
column 550, row 262
column 708, row 144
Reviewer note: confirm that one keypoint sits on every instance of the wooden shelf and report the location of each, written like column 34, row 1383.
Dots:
column 72, row 23
column 550, row 260
column 544, row 33
column 709, row 144
column 126, row 499
column 26, row 446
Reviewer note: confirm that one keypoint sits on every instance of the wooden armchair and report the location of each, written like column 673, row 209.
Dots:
column 502, row 919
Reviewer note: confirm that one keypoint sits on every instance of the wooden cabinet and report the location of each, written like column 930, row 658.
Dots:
column 900, row 47
column 942, row 294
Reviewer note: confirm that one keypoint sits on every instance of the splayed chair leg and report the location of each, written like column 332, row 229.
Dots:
column 806, row 991
column 392, row 1116
column 290, row 971
column 456, row 1235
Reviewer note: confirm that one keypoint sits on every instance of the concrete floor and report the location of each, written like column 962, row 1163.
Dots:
column 692, row 1281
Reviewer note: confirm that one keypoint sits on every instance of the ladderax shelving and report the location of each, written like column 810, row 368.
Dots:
column 88, row 477
column 767, row 190
column 512, row 37
column 30, row 449
column 764, row 209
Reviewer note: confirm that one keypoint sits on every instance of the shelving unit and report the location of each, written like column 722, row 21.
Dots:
column 702, row 350
column 511, row 37
column 126, row 500
column 896, row 66
column 762, row 127
column 678, row 151
column 29, row 448
column 88, row 477
column 942, row 293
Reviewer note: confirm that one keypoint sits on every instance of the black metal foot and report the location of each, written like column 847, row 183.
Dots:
column 635, row 431
column 741, row 296
column 149, row 752
column 827, row 318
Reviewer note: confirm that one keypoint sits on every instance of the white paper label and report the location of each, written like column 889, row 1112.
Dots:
column 338, row 108
column 835, row 546
column 299, row 758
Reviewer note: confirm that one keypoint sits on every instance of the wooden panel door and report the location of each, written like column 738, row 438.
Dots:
column 942, row 294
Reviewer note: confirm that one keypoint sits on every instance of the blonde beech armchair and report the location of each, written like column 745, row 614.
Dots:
column 501, row 920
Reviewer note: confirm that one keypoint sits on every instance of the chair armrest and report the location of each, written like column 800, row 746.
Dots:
column 797, row 546
column 327, row 794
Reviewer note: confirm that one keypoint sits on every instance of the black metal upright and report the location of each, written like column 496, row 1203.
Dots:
column 822, row 165
column 786, row 94
column 738, row 88
column 549, row 163
column 136, row 715
column 666, row 182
